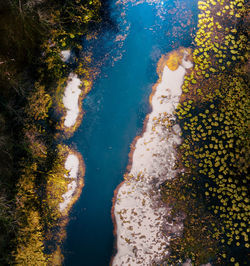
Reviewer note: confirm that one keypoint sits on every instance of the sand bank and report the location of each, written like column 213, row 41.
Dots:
column 138, row 213
column 71, row 100
column 75, row 166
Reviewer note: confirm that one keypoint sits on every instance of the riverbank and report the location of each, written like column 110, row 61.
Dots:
column 63, row 193
column 34, row 73
column 138, row 213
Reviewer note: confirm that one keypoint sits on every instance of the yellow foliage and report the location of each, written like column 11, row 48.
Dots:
column 174, row 60
column 30, row 242
column 56, row 258
column 39, row 103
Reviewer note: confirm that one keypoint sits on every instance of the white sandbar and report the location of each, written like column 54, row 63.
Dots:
column 65, row 55
column 70, row 100
column 71, row 165
column 139, row 213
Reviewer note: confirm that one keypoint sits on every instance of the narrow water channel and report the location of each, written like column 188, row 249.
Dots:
column 114, row 113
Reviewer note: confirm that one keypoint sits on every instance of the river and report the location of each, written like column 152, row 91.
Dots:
column 114, row 113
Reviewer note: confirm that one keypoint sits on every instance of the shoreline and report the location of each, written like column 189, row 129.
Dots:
column 64, row 132
column 130, row 162
column 69, row 111
column 129, row 167
column 162, row 63
column 57, row 256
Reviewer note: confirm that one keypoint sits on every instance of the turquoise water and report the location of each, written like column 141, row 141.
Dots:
column 115, row 110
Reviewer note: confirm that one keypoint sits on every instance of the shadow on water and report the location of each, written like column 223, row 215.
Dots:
column 115, row 111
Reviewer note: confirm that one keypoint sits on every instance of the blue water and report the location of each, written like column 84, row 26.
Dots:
column 114, row 113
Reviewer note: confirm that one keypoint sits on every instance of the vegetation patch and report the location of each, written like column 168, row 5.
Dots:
column 212, row 193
